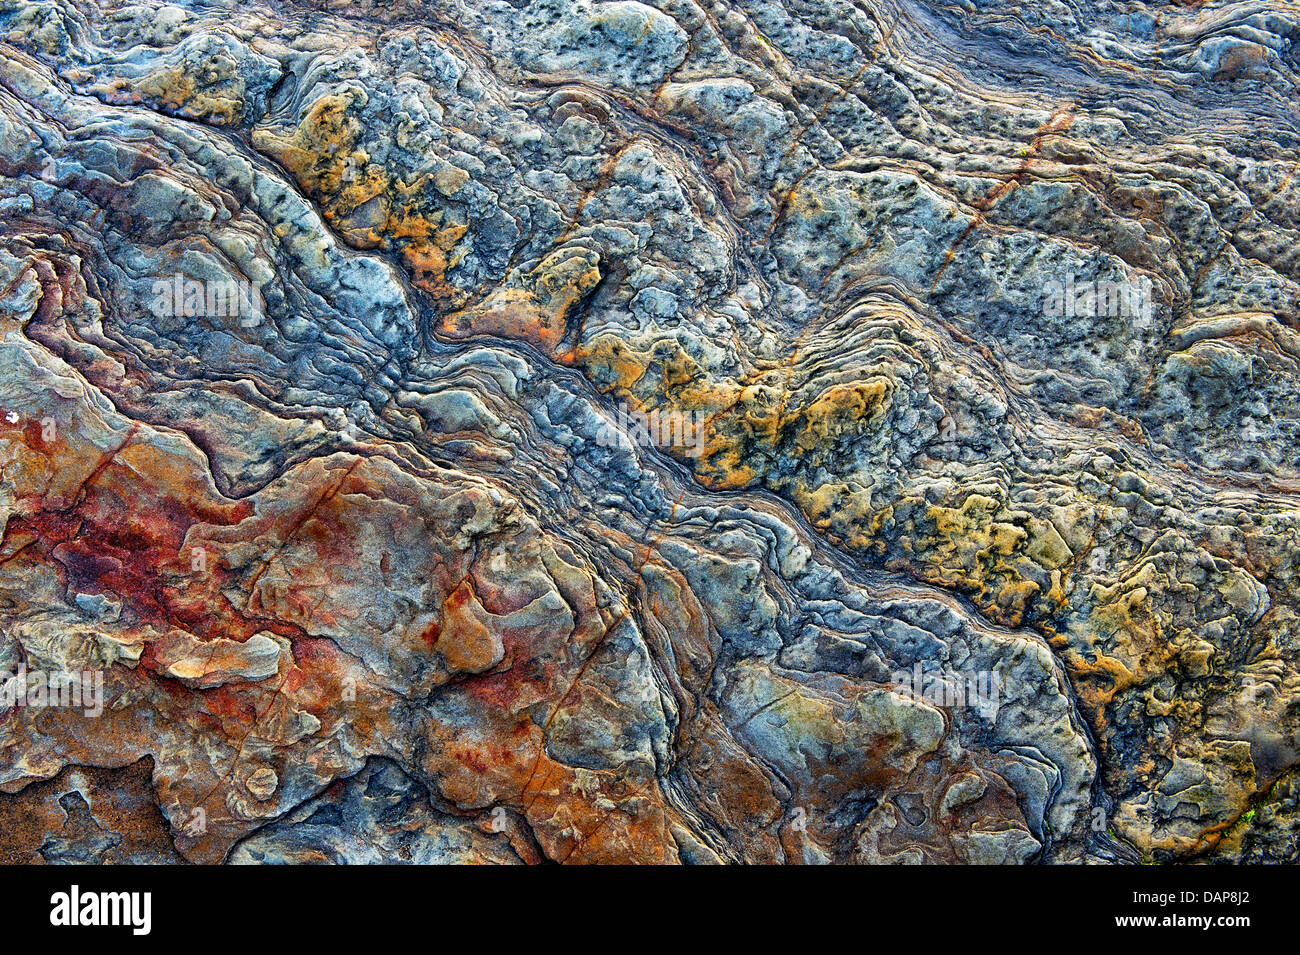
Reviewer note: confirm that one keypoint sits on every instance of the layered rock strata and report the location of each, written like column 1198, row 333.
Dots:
column 575, row 431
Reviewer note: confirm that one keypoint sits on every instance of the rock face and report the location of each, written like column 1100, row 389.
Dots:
column 561, row 430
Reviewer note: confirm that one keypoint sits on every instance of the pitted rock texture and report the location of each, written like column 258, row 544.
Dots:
column 580, row 431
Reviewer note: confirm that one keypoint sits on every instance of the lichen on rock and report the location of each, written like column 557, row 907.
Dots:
column 665, row 432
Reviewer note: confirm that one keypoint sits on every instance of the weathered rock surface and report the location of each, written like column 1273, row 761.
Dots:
column 561, row 430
